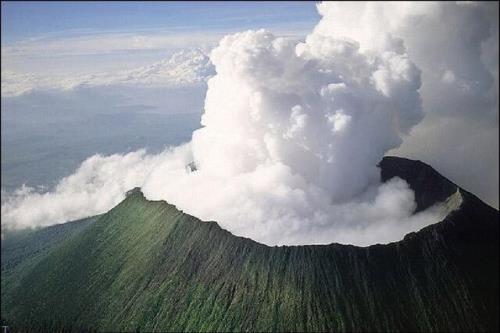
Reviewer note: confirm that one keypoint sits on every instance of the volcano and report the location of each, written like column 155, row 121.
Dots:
column 147, row 266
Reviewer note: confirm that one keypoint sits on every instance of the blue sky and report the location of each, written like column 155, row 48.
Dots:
column 72, row 38
column 25, row 20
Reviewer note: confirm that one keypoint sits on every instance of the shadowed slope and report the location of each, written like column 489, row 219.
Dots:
column 20, row 246
column 147, row 266
column 24, row 249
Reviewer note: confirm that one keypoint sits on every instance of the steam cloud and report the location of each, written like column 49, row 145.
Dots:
column 288, row 152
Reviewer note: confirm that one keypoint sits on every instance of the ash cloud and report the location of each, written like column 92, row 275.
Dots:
column 291, row 136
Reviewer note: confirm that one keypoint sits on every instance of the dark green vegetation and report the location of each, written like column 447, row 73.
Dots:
column 147, row 266
column 28, row 245
column 23, row 249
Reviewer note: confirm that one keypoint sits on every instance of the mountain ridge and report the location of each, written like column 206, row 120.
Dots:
column 145, row 265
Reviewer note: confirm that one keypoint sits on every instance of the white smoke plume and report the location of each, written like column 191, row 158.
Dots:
column 288, row 152
column 455, row 45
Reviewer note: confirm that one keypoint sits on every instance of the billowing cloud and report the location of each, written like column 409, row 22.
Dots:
column 322, row 108
column 455, row 45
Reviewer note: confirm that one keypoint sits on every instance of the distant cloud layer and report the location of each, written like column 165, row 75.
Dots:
column 183, row 68
column 293, row 131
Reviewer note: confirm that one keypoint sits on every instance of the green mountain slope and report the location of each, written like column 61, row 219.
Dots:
column 21, row 246
column 147, row 266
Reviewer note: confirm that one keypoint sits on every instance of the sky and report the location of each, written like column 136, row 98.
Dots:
column 25, row 20
column 47, row 37
column 86, row 85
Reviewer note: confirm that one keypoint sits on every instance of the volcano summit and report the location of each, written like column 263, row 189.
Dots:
column 146, row 266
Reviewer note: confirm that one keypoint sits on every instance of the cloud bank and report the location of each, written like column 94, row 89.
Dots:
column 185, row 68
column 271, row 205
column 292, row 134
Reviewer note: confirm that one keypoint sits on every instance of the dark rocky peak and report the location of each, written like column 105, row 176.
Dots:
column 429, row 186
column 133, row 191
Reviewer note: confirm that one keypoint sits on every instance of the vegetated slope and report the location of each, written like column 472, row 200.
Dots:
column 21, row 246
column 147, row 266
column 22, row 249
